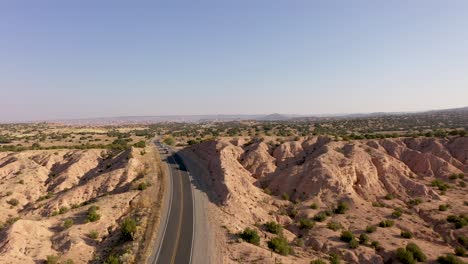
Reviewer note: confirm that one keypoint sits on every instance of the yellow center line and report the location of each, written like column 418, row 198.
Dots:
column 180, row 218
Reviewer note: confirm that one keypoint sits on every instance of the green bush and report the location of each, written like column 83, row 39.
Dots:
column 371, row 229
column 318, row 261
column 93, row 234
column 334, row 258
column 112, row 259
column 459, row 221
column 68, row 223
column 363, row 239
column 143, row 185
column 386, row 223
column 52, row 259
column 251, row 236
column 140, row 144
column 313, row 206
column 416, row 251
column 416, row 201
column 443, row 207
column 441, row 185
column 285, row 196
column 279, row 245
column 93, row 215
column 341, row 208
column 406, row 234
column 460, row 251
column 305, row 223
column 389, row 196
column 274, row 227
column 449, row 259
column 320, row 217
column 376, row 245
column 463, row 240
column 405, row 256
column 346, row 236
column 335, row 226
column 13, row 202
column 128, row 228
column 353, row 243
column 453, row 176
column 397, row 213
column 63, row 209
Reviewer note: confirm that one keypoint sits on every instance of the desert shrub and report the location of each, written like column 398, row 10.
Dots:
column 52, row 259
column 69, row 261
column 318, row 261
column 68, row 223
column 313, row 206
column 320, row 217
column 363, row 239
column 449, row 259
column 371, row 229
column 93, row 215
column 334, row 258
column 93, row 234
column 279, row 245
column 299, row 242
column 406, row 234
column 13, row 202
column 353, row 243
column 112, row 259
column 45, row 197
column 292, row 212
column 274, row 227
column 397, row 213
column 143, row 185
column 453, row 176
column 414, row 202
column 405, row 256
column 267, row 191
column 387, row 223
column 285, row 196
column 463, row 240
column 441, row 185
column 389, row 196
column 8, row 193
column 460, row 251
column 333, row 225
column 63, row 209
column 341, row 208
column 376, row 245
column 21, row 181
column 377, row 204
column 128, row 228
column 416, row 251
column 346, row 236
column 462, row 184
column 459, row 221
column 251, row 236
column 140, row 144
column 461, row 176
column 443, row 207
column 305, row 223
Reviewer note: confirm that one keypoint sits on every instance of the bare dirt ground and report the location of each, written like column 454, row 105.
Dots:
column 70, row 204
column 393, row 192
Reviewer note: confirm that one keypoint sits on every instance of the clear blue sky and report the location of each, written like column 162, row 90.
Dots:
column 72, row 59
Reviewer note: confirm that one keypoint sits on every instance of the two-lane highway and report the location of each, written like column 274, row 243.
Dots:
column 177, row 231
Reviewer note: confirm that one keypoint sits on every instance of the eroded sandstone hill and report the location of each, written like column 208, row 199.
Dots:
column 416, row 183
column 46, row 196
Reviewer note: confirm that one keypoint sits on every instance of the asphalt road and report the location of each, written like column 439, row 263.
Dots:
column 176, row 245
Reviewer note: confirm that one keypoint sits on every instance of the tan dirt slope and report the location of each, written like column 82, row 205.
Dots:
column 40, row 190
column 375, row 178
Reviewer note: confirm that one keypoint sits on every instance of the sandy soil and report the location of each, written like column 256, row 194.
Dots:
column 250, row 184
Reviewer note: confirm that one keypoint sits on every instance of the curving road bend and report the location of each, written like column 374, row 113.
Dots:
column 177, row 231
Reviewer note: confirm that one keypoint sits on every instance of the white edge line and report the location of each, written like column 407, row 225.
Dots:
column 193, row 211
column 168, row 214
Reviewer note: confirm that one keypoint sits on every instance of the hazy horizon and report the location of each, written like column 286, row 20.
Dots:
column 110, row 59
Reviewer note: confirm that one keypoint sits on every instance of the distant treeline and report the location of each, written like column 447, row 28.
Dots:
column 118, row 144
